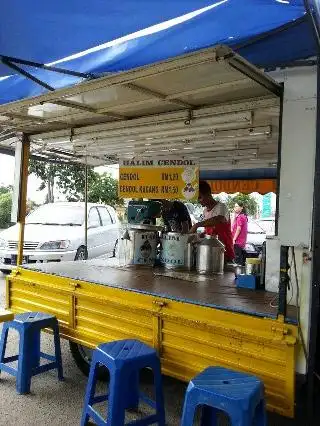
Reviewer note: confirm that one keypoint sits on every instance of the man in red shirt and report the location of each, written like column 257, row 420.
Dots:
column 216, row 219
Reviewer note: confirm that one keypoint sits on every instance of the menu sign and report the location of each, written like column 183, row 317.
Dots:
column 159, row 178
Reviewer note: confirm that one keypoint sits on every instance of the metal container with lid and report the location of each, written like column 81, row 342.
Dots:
column 140, row 245
column 210, row 256
column 177, row 250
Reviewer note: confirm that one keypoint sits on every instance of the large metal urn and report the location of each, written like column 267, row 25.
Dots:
column 210, row 256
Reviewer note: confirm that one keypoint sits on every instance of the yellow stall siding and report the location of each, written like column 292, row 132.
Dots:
column 188, row 337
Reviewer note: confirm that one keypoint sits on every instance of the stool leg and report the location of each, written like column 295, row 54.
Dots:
column 209, row 416
column 189, row 409
column 57, row 349
column 159, row 393
column 90, row 391
column 116, row 407
column 131, row 387
column 261, row 414
column 240, row 418
column 24, row 364
column 34, row 345
column 3, row 342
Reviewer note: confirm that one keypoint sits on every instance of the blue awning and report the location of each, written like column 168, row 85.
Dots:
column 49, row 31
column 266, row 32
column 239, row 174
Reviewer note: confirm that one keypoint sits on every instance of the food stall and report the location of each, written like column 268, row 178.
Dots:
column 228, row 117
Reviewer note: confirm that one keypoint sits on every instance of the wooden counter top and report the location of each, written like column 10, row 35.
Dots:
column 218, row 291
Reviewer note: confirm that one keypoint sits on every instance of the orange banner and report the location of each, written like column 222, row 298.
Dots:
column 262, row 186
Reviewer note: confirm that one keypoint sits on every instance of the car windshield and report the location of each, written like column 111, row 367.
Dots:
column 254, row 228
column 268, row 225
column 190, row 208
column 55, row 214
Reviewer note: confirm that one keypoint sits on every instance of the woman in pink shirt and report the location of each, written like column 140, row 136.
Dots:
column 239, row 233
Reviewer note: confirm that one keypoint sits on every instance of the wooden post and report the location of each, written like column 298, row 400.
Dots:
column 86, row 206
column 22, row 208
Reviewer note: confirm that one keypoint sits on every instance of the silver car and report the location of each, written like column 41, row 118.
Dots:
column 56, row 232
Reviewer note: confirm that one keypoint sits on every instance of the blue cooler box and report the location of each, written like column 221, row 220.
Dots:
column 247, row 281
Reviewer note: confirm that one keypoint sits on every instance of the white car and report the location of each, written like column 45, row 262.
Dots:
column 255, row 238
column 56, row 232
column 193, row 213
column 268, row 224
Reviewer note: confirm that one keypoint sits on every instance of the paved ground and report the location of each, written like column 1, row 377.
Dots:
column 60, row 403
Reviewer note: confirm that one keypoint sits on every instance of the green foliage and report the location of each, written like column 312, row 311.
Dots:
column 104, row 189
column 5, row 189
column 5, row 209
column 70, row 180
column 249, row 202
column 47, row 172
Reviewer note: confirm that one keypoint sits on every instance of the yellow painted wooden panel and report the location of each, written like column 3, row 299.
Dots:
column 188, row 337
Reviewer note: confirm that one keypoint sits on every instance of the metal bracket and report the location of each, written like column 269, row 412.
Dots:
column 189, row 118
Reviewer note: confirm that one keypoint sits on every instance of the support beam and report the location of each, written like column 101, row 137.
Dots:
column 158, row 95
column 88, row 108
column 32, row 118
column 23, row 194
column 11, row 59
column 86, row 205
column 27, row 75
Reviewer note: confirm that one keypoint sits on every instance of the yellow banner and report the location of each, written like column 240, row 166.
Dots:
column 159, row 178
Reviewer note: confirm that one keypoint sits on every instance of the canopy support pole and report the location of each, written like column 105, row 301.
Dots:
column 313, row 21
column 9, row 59
column 23, row 194
column 86, row 206
column 27, row 75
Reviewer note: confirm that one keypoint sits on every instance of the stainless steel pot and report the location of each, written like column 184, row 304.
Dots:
column 210, row 256
column 178, row 250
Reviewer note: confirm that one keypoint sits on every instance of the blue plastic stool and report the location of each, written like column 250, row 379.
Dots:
column 240, row 396
column 29, row 326
column 124, row 360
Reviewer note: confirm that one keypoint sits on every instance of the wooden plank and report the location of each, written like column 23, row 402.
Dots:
column 6, row 315
column 218, row 291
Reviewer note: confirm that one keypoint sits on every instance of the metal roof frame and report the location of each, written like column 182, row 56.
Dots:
column 188, row 96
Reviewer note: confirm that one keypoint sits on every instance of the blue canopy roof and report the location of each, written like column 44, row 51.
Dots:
column 240, row 174
column 266, row 32
column 48, row 31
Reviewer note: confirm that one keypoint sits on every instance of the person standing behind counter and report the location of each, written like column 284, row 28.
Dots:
column 216, row 219
column 175, row 216
column 239, row 233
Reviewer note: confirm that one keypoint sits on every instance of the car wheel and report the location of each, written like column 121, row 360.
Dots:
column 82, row 357
column 82, row 254
column 115, row 252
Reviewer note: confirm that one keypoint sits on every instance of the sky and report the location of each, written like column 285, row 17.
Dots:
column 7, row 178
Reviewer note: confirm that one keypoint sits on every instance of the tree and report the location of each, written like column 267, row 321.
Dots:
column 249, row 202
column 70, row 180
column 5, row 209
column 5, row 189
column 47, row 173
column 104, row 189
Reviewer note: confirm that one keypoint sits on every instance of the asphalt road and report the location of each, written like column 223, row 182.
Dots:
column 55, row 403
